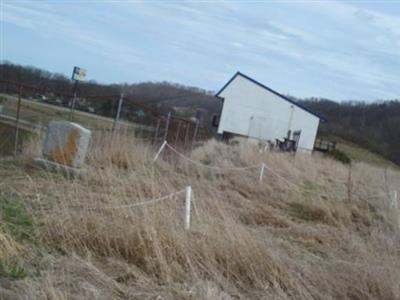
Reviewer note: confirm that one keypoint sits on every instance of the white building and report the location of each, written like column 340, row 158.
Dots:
column 254, row 110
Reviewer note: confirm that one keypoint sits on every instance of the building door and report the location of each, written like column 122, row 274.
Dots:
column 257, row 127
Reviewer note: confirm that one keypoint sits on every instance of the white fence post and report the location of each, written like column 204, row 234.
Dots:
column 397, row 207
column 395, row 199
column 159, row 151
column 262, row 172
column 188, row 200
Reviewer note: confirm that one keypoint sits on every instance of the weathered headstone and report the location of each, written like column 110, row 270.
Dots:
column 65, row 147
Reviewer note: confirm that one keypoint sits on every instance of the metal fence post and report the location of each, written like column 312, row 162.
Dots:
column 178, row 132
column 74, row 100
column 195, row 132
column 167, row 126
column 186, row 135
column 120, row 101
column 156, row 132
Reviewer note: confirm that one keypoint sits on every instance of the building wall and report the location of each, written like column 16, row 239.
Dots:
column 253, row 111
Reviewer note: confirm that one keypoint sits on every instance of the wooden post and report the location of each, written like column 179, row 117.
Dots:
column 188, row 200
column 17, row 122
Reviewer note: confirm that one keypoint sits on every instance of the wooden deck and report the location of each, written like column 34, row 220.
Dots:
column 324, row 145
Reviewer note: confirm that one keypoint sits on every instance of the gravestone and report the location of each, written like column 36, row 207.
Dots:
column 65, row 147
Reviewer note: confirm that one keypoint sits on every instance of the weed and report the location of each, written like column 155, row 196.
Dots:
column 14, row 217
column 13, row 269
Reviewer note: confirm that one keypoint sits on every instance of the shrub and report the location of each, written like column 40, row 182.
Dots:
column 339, row 156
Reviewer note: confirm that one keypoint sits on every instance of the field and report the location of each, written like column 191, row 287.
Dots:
column 357, row 153
column 312, row 229
column 41, row 113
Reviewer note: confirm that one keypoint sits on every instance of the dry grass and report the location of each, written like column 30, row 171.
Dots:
column 310, row 230
column 8, row 246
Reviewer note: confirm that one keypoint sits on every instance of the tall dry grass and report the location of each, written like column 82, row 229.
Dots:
column 313, row 229
column 8, row 246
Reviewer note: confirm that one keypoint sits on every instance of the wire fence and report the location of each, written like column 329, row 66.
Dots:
column 265, row 170
column 187, row 211
column 142, row 203
column 25, row 110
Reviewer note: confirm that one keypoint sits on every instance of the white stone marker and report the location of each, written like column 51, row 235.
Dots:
column 65, row 147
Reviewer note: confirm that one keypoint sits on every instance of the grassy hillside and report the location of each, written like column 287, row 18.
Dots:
column 374, row 126
column 312, row 229
column 359, row 154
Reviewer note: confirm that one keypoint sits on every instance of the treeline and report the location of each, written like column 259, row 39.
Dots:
column 375, row 126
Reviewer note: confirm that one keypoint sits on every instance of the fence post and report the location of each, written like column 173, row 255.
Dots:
column 178, row 132
column 167, row 126
column 187, row 128
column 159, row 151
column 188, row 200
column 395, row 203
column 156, row 132
column 120, row 101
column 349, row 184
column 196, row 129
column 17, row 122
column 262, row 172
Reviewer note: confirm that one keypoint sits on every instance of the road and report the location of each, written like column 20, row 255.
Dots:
column 25, row 125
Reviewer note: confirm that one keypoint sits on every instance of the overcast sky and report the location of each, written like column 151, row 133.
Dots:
column 342, row 50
